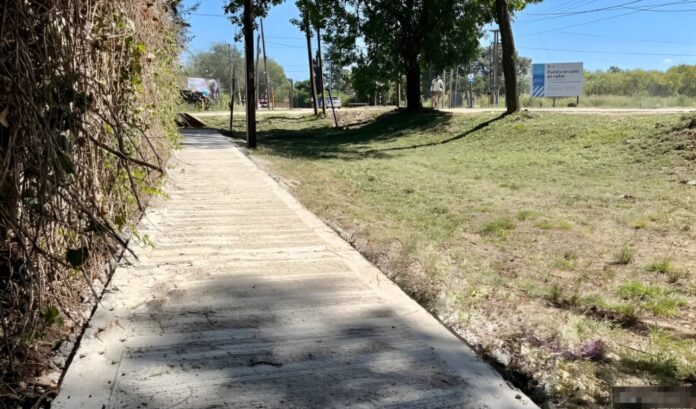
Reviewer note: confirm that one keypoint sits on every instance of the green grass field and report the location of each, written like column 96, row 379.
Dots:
column 562, row 245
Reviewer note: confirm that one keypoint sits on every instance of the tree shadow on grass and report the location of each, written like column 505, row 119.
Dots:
column 351, row 141
column 448, row 140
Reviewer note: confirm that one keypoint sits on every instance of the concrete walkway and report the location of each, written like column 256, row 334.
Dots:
column 247, row 300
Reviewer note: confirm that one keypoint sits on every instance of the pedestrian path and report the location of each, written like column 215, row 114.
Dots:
column 247, row 300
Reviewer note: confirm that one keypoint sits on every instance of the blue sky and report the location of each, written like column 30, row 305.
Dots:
column 649, row 34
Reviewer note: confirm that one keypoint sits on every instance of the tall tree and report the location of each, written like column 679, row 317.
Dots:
column 248, row 27
column 500, row 11
column 512, row 95
column 401, row 36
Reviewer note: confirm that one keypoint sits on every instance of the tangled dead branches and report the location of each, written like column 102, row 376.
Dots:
column 86, row 123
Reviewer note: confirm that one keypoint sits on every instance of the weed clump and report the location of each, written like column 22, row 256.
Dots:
column 666, row 268
column 498, row 227
column 624, row 256
column 658, row 300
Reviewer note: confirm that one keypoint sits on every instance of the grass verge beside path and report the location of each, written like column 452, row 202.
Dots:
column 562, row 246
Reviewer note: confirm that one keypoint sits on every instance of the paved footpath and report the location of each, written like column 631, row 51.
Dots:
column 247, row 300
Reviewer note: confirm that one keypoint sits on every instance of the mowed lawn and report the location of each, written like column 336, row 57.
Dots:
column 562, row 246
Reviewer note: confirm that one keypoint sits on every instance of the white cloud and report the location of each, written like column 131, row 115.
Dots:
column 667, row 61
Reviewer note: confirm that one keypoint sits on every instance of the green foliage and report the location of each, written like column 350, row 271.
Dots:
column 663, row 266
column 498, row 227
column 400, row 37
column 656, row 299
column 678, row 80
column 523, row 215
column 235, row 11
column 625, row 255
column 51, row 315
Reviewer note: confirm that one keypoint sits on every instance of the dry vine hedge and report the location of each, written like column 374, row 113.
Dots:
column 86, row 124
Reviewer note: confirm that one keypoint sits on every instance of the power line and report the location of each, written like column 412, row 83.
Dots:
column 208, row 15
column 623, row 6
column 574, row 13
column 627, row 39
column 609, row 52
column 581, row 24
column 285, row 45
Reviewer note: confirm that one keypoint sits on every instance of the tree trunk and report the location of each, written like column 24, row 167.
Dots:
column 512, row 97
column 250, row 81
column 9, row 196
column 413, row 85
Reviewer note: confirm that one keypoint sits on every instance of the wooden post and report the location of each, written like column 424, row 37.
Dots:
column 333, row 110
column 554, row 102
column 250, row 88
column 456, row 86
column 291, row 94
column 451, row 96
column 398, row 91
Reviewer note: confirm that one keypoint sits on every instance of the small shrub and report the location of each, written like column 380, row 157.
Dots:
column 656, row 299
column 498, row 227
column 666, row 268
column 51, row 316
column 662, row 266
column 624, row 256
column 565, row 264
column 630, row 311
column 640, row 223
column 523, row 215
column 636, row 290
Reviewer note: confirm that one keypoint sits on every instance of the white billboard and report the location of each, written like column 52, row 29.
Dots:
column 207, row 86
column 557, row 80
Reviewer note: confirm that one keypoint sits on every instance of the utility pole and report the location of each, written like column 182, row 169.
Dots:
column 265, row 68
column 250, row 89
column 232, row 84
column 308, row 32
column 258, row 56
column 321, row 72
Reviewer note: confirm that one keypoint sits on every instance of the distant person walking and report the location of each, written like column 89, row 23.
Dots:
column 437, row 89
column 213, row 89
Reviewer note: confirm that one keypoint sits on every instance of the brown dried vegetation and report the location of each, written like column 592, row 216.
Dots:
column 85, row 129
